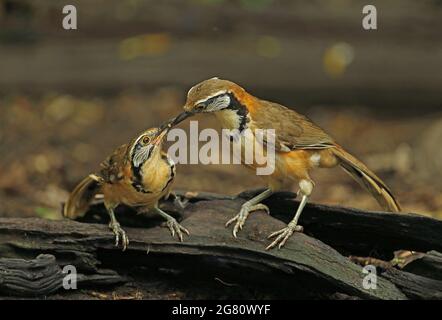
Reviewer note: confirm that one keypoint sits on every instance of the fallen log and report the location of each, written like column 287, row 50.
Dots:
column 306, row 267
column 43, row 275
column 357, row 232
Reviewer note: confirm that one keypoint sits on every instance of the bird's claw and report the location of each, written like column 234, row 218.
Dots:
column 176, row 228
column 283, row 235
column 118, row 231
column 241, row 217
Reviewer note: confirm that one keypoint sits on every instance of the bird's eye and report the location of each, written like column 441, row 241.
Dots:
column 200, row 106
column 146, row 140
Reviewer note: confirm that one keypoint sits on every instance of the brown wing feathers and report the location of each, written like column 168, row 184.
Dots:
column 292, row 129
column 80, row 199
column 296, row 131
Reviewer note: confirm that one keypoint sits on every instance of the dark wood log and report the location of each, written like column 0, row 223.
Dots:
column 39, row 276
column 357, row 232
column 415, row 286
column 428, row 265
column 305, row 268
column 43, row 275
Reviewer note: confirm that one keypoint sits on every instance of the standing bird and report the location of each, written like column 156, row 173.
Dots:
column 137, row 174
column 300, row 146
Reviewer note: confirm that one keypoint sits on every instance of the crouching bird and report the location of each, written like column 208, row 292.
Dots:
column 299, row 145
column 137, row 174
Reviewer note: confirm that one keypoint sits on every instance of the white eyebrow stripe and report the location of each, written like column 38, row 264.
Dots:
column 131, row 152
column 188, row 92
column 210, row 97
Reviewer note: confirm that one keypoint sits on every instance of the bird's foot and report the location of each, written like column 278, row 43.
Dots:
column 241, row 217
column 176, row 228
column 119, row 233
column 283, row 235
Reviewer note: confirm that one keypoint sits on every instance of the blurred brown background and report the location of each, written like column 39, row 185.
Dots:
column 68, row 98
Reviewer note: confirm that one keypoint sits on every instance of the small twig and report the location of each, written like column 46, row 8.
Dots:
column 226, row 283
column 365, row 261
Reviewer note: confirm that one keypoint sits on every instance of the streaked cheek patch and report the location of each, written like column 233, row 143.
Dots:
column 141, row 155
column 218, row 103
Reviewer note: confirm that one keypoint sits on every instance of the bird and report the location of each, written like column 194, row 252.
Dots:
column 137, row 174
column 300, row 146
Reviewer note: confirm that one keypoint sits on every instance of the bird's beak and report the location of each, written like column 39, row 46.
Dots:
column 163, row 132
column 182, row 116
column 178, row 119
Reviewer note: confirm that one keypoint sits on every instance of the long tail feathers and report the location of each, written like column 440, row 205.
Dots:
column 367, row 179
column 81, row 198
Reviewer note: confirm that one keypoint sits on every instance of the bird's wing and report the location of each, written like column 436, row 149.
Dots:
column 112, row 168
column 292, row 130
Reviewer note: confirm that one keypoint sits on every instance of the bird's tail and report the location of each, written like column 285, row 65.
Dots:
column 81, row 197
column 367, row 179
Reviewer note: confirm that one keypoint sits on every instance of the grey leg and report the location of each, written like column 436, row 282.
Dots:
column 249, row 206
column 117, row 230
column 172, row 224
column 306, row 187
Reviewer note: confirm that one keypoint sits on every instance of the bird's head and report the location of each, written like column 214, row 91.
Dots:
column 147, row 146
column 208, row 96
column 211, row 95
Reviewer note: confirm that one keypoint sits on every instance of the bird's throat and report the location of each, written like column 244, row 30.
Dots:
column 140, row 171
column 234, row 117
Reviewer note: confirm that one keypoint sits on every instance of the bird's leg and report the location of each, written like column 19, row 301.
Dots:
column 306, row 187
column 117, row 230
column 285, row 233
column 172, row 224
column 249, row 206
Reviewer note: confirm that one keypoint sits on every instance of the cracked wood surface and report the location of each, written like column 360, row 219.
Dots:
column 306, row 266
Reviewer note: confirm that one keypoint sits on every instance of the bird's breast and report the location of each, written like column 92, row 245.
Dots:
column 145, row 189
column 156, row 178
column 124, row 192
